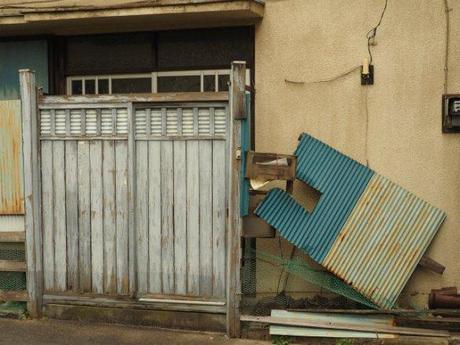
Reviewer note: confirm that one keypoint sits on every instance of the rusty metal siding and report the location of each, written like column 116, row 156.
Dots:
column 11, row 181
column 383, row 240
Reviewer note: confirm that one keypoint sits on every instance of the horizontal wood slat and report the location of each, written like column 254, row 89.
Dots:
column 14, row 296
column 13, row 236
column 12, row 266
column 141, row 98
column 124, row 302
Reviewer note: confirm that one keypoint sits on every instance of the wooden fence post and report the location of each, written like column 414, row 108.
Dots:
column 234, row 225
column 32, row 192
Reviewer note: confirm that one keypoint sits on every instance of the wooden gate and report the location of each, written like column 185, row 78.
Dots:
column 132, row 197
column 179, row 197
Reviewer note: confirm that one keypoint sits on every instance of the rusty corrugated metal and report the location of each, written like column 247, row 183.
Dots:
column 11, row 181
column 383, row 240
column 367, row 230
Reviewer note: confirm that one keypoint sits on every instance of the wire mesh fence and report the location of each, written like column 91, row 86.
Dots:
column 284, row 279
column 12, row 251
column 12, row 281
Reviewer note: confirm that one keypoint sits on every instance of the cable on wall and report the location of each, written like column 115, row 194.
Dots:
column 447, row 9
column 366, row 134
column 373, row 32
column 327, row 80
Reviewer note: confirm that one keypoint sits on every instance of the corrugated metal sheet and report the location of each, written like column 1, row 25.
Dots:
column 383, row 240
column 11, row 223
column 15, row 55
column 367, row 230
column 341, row 181
column 368, row 320
column 11, row 182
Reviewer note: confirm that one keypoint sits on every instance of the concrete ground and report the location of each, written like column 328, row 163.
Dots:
column 49, row 332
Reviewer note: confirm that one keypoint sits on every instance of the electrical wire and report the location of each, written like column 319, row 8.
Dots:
column 373, row 32
column 366, row 134
column 446, row 54
column 328, row 80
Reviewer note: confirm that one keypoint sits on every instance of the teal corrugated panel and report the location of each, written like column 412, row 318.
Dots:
column 337, row 177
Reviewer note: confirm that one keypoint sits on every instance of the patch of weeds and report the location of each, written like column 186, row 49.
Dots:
column 281, row 340
column 344, row 342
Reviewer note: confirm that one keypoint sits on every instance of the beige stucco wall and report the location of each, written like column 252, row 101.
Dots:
column 310, row 40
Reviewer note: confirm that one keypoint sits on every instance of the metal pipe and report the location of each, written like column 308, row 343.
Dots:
column 437, row 300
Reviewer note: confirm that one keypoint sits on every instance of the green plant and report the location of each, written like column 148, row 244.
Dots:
column 281, row 340
column 344, row 342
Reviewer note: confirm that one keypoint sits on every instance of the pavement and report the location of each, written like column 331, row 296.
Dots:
column 56, row 332
column 50, row 332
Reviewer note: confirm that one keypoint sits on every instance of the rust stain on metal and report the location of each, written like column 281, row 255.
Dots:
column 11, row 181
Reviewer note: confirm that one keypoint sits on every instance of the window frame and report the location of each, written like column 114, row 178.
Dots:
column 154, row 79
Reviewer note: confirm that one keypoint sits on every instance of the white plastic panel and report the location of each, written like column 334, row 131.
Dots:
column 220, row 121
column 141, row 121
column 155, row 122
column 45, row 122
column 75, row 122
column 91, row 122
column 122, row 121
column 204, row 121
column 187, row 122
column 106, row 122
column 60, row 122
column 172, row 122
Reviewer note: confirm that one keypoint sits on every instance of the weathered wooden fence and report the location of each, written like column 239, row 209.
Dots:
column 129, row 196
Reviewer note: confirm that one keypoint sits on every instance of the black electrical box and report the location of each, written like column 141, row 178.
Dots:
column 451, row 113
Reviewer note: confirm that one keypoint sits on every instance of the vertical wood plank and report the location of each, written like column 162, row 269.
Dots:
column 132, row 255
column 155, row 197
column 167, row 217
column 97, row 230
column 219, row 217
column 193, row 218
column 121, row 164
column 180, row 217
column 206, row 277
column 48, row 215
column 234, row 223
column 71, row 195
column 84, row 215
column 60, row 236
column 142, row 214
column 32, row 192
column 110, row 220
